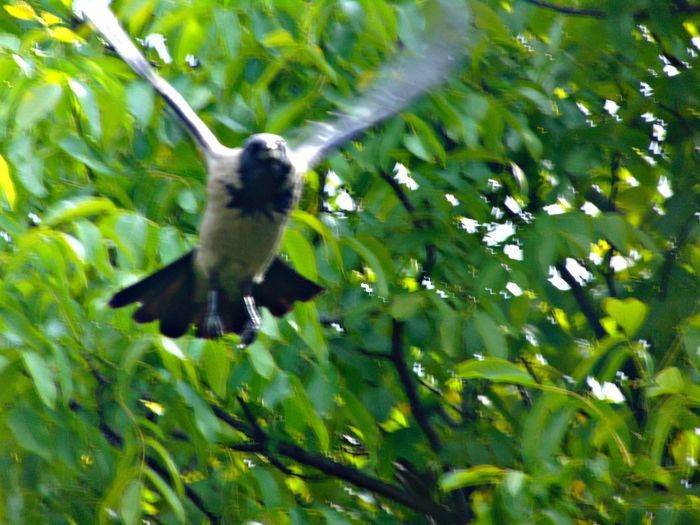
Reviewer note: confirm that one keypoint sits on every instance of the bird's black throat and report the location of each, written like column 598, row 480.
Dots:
column 265, row 188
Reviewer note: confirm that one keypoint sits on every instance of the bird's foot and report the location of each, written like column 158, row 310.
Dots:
column 252, row 326
column 213, row 326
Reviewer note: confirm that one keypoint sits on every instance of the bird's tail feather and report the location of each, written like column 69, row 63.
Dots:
column 281, row 287
column 169, row 295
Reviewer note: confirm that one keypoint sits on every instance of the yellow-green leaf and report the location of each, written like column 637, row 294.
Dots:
column 6, row 184
column 50, row 19
column 494, row 369
column 63, row 34
column 21, row 10
column 479, row 475
column 168, row 494
column 628, row 313
column 278, row 38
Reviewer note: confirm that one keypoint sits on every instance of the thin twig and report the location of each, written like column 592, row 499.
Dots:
column 593, row 13
column 672, row 254
column 430, row 250
column 114, row 439
column 409, row 386
column 258, row 433
column 374, row 355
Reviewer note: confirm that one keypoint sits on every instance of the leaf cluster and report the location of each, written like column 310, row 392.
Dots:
column 510, row 331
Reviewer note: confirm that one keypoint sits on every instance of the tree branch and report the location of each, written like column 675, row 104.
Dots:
column 374, row 355
column 337, row 470
column 591, row 13
column 672, row 254
column 409, row 386
column 114, row 439
column 679, row 8
column 582, row 300
column 362, row 480
column 430, row 251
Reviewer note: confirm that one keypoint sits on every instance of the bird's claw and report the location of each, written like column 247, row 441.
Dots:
column 250, row 332
column 213, row 327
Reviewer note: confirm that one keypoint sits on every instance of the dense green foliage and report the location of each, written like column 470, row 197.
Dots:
column 509, row 336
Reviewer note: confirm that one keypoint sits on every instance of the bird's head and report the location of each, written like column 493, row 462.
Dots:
column 265, row 161
column 266, row 177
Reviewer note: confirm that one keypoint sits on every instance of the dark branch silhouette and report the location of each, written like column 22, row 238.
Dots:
column 594, row 13
column 409, row 386
column 582, row 300
column 334, row 468
column 114, row 439
column 680, row 7
column 430, row 251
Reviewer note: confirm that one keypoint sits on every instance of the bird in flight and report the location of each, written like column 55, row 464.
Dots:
column 251, row 190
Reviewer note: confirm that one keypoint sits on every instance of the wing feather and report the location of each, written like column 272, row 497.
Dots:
column 99, row 13
column 398, row 84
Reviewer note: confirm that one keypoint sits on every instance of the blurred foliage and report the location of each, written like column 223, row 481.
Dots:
column 510, row 332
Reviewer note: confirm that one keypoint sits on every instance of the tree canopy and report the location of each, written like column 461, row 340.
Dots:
column 510, row 329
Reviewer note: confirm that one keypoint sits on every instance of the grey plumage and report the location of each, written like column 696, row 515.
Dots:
column 251, row 191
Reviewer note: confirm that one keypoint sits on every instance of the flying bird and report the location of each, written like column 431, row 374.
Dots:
column 219, row 286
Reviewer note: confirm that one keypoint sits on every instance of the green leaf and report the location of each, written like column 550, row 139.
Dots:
column 204, row 417
column 29, row 167
column 269, row 489
column 669, row 381
column 285, row 115
column 70, row 210
column 88, row 104
column 300, row 412
column 79, row 150
column 261, row 359
column 130, row 508
column 427, row 137
column 301, row 253
column 36, row 104
column 321, row 229
column 375, row 257
column 167, row 493
column 31, row 432
column 496, row 370
column 405, row 306
column 193, row 35
column 140, row 99
column 614, row 228
column 491, row 335
column 10, row 42
column 216, row 367
column 479, row 475
column 167, row 459
column 629, row 313
column 42, row 376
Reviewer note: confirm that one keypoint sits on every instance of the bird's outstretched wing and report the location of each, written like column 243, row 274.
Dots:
column 398, row 84
column 99, row 13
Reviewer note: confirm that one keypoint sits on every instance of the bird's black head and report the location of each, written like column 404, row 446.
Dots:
column 266, row 176
column 264, row 160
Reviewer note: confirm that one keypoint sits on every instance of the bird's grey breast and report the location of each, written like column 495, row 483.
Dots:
column 250, row 195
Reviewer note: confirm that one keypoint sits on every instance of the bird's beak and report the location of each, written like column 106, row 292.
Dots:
column 277, row 151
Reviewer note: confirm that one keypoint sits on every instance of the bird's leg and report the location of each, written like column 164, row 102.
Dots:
column 213, row 326
column 250, row 331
